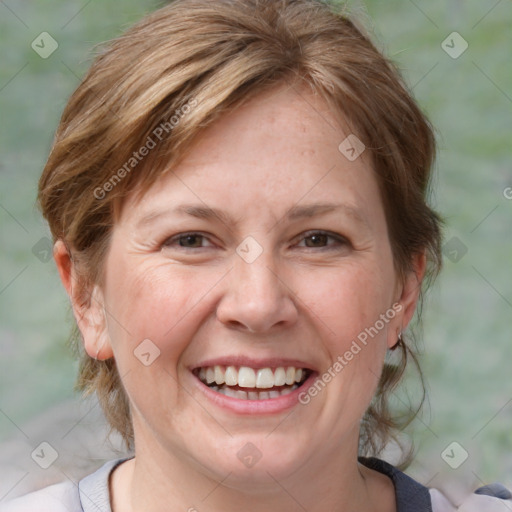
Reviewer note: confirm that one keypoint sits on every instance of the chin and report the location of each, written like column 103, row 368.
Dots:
column 255, row 461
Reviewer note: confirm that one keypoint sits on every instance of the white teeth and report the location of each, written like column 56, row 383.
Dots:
column 265, row 378
column 247, row 378
column 253, row 395
column 219, row 375
column 280, row 376
column 228, row 391
column 231, row 376
column 210, row 375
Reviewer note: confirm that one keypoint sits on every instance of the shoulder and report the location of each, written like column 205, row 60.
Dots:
column 63, row 497
column 413, row 496
column 409, row 494
column 489, row 498
column 91, row 494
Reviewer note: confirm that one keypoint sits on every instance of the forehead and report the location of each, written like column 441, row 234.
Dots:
column 290, row 120
column 281, row 148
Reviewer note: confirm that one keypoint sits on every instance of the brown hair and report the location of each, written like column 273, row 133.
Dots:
column 211, row 57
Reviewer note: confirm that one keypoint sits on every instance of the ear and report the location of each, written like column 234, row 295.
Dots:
column 407, row 297
column 88, row 308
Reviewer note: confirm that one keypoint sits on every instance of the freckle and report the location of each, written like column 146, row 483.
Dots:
column 307, row 152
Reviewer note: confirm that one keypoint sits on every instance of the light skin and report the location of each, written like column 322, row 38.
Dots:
column 272, row 170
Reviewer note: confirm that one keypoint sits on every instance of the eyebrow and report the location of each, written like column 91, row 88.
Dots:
column 295, row 213
column 198, row 211
column 306, row 211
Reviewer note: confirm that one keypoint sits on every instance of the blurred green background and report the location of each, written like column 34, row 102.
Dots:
column 466, row 339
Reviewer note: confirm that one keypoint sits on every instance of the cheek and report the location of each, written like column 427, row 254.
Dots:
column 162, row 303
column 346, row 301
column 346, row 305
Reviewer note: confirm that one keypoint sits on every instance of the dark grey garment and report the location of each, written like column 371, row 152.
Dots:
column 410, row 495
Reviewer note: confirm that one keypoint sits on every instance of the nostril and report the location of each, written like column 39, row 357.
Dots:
column 235, row 324
column 249, row 327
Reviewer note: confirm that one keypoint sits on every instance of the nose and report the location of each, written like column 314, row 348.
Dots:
column 257, row 297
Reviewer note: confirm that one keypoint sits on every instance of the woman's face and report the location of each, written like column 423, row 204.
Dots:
column 264, row 255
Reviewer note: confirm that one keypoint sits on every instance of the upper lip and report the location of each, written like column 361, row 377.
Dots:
column 268, row 362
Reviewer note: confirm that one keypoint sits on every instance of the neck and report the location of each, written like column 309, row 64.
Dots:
column 156, row 480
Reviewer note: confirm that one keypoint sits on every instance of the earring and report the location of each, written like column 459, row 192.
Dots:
column 399, row 341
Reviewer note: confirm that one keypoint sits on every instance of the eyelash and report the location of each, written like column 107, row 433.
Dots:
column 338, row 239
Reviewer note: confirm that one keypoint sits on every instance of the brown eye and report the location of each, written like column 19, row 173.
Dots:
column 191, row 241
column 187, row 241
column 317, row 240
column 322, row 240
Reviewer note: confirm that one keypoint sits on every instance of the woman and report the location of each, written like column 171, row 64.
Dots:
column 237, row 193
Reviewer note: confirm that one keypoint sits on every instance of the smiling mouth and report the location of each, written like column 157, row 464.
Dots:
column 247, row 383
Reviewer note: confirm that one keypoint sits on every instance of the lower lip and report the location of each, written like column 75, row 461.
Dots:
column 265, row 406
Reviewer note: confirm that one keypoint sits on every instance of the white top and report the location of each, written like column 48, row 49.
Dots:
column 91, row 494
